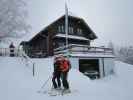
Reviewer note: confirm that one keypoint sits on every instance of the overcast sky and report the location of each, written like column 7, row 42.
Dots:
column 111, row 20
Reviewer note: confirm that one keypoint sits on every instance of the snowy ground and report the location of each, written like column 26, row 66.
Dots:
column 17, row 82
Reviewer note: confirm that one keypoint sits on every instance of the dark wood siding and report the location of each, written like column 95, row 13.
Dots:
column 74, row 23
column 45, row 41
column 58, row 41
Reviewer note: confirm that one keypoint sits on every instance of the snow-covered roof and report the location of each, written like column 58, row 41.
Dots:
column 70, row 14
column 71, row 37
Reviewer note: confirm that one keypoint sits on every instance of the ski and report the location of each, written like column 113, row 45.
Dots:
column 64, row 92
column 57, row 92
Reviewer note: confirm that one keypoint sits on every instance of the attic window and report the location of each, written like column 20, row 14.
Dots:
column 70, row 29
column 61, row 28
column 79, row 31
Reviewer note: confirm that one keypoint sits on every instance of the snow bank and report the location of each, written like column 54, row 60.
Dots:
column 17, row 82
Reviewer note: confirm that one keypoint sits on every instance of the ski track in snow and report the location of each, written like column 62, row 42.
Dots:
column 17, row 82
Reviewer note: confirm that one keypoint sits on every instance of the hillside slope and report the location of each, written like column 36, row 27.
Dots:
column 17, row 82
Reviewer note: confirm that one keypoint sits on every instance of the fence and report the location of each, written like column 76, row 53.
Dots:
column 29, row 63
column 5, row 52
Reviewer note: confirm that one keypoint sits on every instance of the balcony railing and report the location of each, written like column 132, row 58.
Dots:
column 82, row 49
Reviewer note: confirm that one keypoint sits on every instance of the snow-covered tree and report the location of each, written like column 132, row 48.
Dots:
column 111, row 45
column 13, row 15
column 125, row 54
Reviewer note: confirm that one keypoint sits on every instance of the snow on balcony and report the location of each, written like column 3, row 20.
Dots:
column 72, row 37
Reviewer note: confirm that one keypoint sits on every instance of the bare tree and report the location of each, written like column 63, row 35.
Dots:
column 13, row 15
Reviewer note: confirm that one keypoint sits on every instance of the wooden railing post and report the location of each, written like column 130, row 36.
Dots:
column 33, row 70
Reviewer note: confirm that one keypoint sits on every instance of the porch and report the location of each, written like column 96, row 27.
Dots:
column 93, row 62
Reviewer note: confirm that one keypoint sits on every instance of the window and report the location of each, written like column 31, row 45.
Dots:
column 79, row 31
column 61, row 28
column 70, row 29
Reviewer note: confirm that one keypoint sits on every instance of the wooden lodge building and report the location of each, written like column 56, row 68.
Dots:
column 53, row 36
column 92, row 61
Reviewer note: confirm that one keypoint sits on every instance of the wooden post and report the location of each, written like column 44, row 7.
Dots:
column 33, row 70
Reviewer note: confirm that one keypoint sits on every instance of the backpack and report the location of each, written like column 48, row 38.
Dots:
column 65, row 65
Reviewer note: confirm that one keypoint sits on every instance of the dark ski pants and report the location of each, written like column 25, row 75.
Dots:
column 64, row 80
column 56, row 76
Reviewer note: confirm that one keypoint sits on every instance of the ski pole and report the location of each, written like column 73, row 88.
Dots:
column 45, row 83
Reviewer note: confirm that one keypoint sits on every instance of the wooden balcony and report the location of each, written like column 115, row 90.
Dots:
column 84, row 50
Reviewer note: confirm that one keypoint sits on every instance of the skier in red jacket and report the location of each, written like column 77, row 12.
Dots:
column 65, row 67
